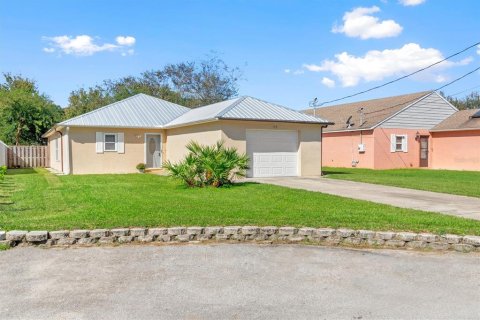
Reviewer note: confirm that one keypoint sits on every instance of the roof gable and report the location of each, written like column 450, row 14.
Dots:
column 425, row 113
column 202, row 114
column 364, row 115
column 141, row 111
column 244, row 108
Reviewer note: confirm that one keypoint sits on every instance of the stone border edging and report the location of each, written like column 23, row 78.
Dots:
column 328, row 236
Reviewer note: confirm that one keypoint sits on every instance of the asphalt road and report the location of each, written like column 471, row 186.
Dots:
column 237, row 281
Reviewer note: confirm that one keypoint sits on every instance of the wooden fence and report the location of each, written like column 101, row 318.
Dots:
column 27, row 156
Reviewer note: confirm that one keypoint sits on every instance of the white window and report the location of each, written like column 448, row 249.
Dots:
column 110, row 142
column 399, row 143
column 57, row 150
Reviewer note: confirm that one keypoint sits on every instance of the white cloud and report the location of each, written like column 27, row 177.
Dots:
column 376, row 65
column 125, row 41
column 129, row 52
column 294, row 72
column 328, row 82
column 411, row 2
column 85, row 45
column 478, row 51
column 360, row 23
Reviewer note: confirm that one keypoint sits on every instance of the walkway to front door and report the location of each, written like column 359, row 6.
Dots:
column 460, row 206
column 153, row 150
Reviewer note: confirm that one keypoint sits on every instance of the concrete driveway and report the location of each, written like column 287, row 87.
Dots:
column 237, row 281
column 467, row 207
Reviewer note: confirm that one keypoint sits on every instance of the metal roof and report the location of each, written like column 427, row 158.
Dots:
column 144, row 111
column 244, row 108
column 138, row 111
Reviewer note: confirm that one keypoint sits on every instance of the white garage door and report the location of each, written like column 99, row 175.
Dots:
column 273, row 153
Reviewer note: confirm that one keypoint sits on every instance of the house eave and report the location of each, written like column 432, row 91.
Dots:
column 353, row 130
column 324, row 124
column 458, row 129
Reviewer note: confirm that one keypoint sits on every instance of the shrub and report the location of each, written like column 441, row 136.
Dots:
column 209, row 165
column 140, row 166
column 3, row 172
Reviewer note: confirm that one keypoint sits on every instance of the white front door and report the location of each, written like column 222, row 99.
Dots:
column 273, row 153
column 153, row 152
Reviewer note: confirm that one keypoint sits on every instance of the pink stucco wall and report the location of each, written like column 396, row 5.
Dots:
column 341, row 148
column 456, row 150
column 385, row 159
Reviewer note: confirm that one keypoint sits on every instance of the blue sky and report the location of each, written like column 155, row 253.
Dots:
column 289, row 51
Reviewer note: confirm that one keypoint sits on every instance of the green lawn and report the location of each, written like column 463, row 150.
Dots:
column 45, row 201
column 465, row 183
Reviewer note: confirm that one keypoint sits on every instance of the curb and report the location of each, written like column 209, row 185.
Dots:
column 326, row 236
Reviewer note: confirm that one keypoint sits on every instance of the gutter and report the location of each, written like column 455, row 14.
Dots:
column 450, row 130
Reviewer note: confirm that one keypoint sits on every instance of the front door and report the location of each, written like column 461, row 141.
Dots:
column 153, row 151
column 424, row 152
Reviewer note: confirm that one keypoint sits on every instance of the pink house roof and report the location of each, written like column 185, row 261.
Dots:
column 374, row 111
column 461, row 120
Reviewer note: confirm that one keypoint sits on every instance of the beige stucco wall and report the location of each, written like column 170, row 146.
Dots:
column 178, row 138
column 84, row 158
column 54, row 163
column 81, row 156
column 309, row 141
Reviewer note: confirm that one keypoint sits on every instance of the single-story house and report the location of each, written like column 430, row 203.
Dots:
column 456, row 141
column 145, row 129
column 385, row 133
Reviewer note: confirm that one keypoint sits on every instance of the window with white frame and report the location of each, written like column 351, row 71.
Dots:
column 57, row 149
column 399, row 143
column 110, row 142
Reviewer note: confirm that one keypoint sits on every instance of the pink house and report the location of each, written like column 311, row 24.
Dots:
column 383, row 133
column 456, row 142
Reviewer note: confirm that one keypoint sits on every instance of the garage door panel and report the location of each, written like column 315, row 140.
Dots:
column 274, row 164
column 273, row 153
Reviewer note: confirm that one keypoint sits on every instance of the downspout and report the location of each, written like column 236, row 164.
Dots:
column 61, row 148
column 321, row 150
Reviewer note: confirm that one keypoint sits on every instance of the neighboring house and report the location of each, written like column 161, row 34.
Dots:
column 456, row 141
column 383, row 133
column 145, row 129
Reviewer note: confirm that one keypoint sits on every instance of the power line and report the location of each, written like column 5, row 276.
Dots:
column 401, row 78
column 457, row 93
column 437, row 89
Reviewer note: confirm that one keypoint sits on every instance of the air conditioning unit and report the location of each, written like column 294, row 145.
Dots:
column 361, row 148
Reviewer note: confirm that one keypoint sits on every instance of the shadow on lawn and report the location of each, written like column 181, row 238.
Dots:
column 327, row 172
column 13, row 172
column 235, row 185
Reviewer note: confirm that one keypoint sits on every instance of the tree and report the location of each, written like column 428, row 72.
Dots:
column 190, row 84
column 204, row 82
column 470, row 101
column 25, row 113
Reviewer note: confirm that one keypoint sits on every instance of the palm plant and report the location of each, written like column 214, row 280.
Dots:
column 209, row 165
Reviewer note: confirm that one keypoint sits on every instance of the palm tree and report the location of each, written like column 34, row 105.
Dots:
column 209, row 165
